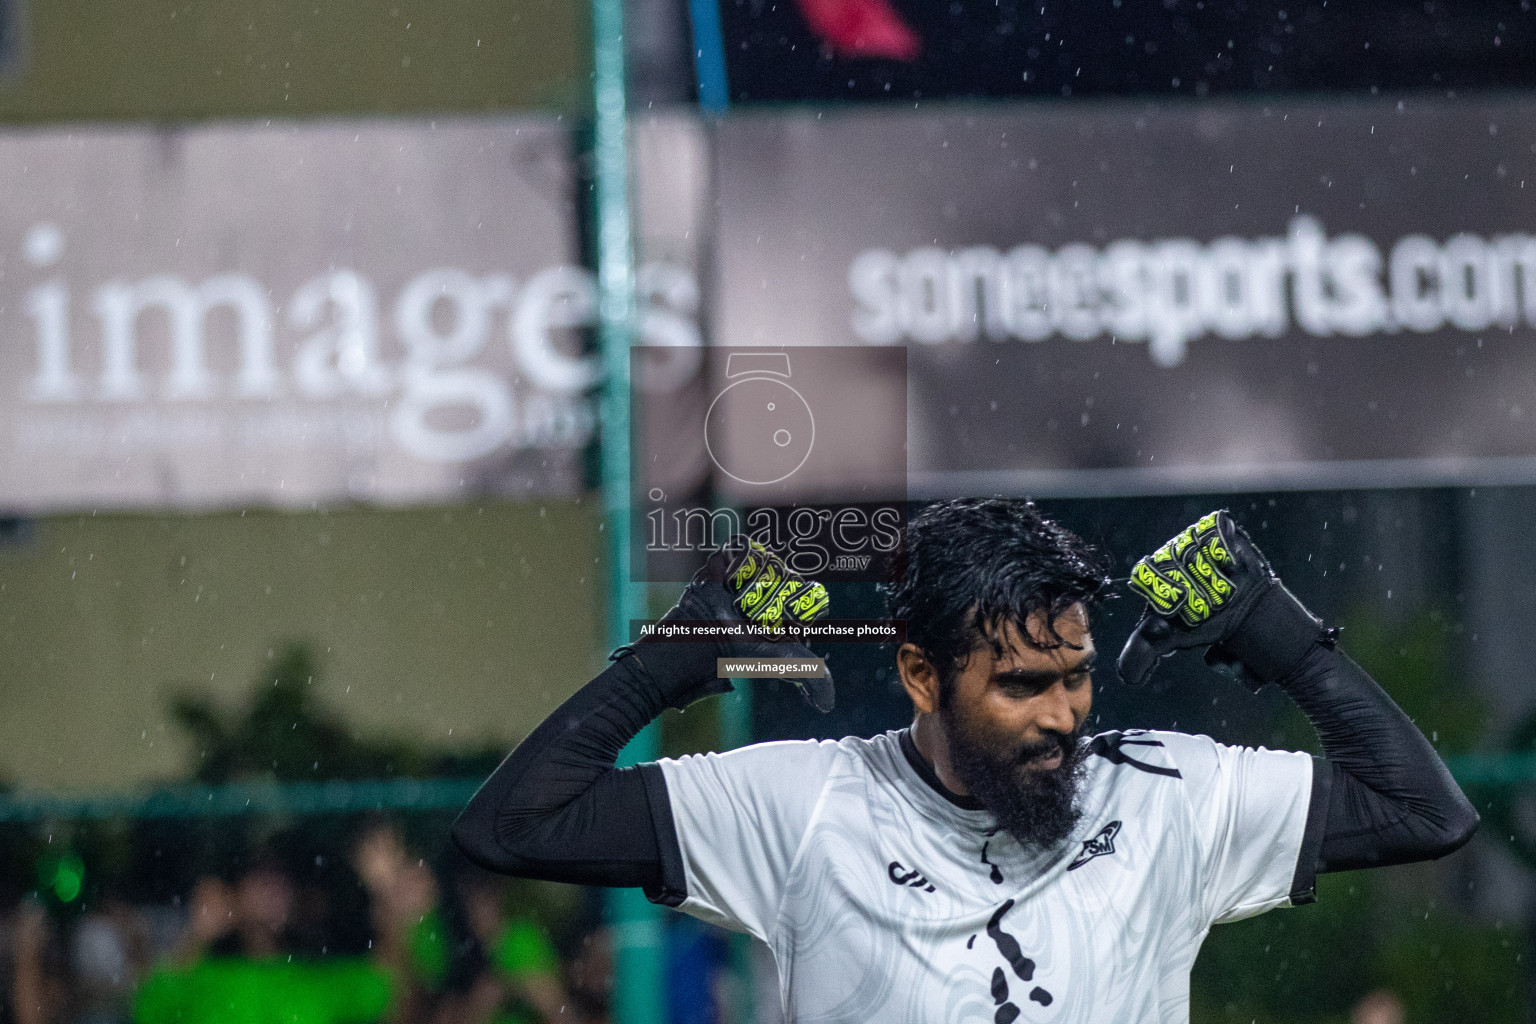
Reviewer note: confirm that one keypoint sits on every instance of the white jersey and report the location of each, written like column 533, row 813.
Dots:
column 884, row 900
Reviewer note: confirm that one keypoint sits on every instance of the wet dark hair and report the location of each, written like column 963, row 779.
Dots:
column 973, row 564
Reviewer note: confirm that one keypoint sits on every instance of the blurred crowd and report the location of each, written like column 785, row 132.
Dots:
column 435, row 941
column 355, row 922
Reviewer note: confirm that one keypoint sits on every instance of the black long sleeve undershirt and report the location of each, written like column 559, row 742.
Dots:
column 558, row 809
column 1390, row 799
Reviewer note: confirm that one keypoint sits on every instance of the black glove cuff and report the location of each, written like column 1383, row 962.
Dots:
column 1275, row 635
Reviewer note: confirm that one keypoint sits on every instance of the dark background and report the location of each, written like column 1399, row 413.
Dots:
column 973, row 49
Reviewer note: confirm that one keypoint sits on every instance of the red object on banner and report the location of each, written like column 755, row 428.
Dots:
column 862, row 28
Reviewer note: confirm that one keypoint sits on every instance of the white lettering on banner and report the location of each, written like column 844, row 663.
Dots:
column 668, row 297
column 1169, row 292
column 48, row 306
column 557, row 298
column 343, row 354
column 120, row 305
column 434, row 402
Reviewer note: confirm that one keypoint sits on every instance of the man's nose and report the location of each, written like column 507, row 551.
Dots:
column 1056, row 712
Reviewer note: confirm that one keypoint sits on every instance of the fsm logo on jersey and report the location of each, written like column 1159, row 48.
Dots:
column 803, row 448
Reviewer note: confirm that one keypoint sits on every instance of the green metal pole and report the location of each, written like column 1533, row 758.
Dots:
column 736, row 716
column 735, row 711
column 635, row 922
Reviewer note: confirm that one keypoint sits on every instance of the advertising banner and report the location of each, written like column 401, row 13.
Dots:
column 1123, row 298
column 288, row 315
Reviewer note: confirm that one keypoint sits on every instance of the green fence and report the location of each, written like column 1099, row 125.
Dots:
column 360, row 796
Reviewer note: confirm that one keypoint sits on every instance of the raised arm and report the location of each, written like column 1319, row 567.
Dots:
column 557, row 808
column 1391, row 800
column 1382, row 795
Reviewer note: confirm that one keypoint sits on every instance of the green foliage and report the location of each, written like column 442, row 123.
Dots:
column 1505, row 809
column 285, row 734
column 1304, row 965
column 1381, row 929
column 1411, row 659
column 1446, row 968
column 1368, row 931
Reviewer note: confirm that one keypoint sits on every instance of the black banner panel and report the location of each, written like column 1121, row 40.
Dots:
column 910, row 50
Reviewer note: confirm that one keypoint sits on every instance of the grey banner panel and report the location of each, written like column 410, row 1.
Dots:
column 292, row 314
column 1123, row 298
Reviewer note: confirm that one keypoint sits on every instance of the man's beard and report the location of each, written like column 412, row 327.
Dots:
column 1038, row 807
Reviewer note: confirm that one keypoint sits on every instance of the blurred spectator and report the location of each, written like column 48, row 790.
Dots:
column 462, row 958
column 249, row 918
column 697, row 959
column 1379, row 1007
column 236, row 963
column 109, row 955
column 516, row 972
column 347, row 926
column 85, row 974
column 591, row 974
column 409, row 937
column 40, row 992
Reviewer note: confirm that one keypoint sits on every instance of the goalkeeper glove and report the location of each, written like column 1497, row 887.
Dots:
column 744, row 582
column 1210, row 586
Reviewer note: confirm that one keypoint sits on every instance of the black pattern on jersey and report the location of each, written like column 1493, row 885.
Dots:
column 1108, row 746
column 1007, row 945
column 997, row 872
column 901, row 876
column 1101, row 845
column 1023, row 966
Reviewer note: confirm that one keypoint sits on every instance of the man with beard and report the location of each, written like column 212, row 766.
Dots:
column 987, row 863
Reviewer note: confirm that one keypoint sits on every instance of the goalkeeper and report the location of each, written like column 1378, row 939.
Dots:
column 990, row 861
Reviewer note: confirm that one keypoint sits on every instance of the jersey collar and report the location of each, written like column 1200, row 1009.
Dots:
column 927, row 774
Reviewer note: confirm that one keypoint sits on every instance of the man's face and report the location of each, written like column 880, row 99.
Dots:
column 1012, row 721
column 264, row 898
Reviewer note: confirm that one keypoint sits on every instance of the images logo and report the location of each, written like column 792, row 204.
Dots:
column 776, row 424
column 804, row 450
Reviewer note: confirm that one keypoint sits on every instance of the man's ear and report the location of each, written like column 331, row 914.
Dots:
column 918, row 677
